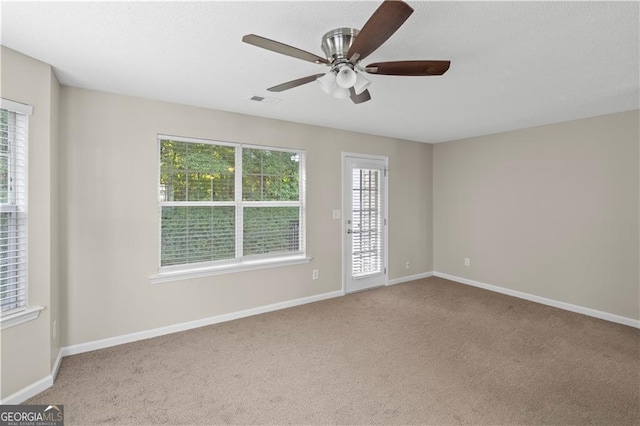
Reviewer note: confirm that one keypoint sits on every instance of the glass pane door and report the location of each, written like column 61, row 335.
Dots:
column 364, row 212
column 366, row 250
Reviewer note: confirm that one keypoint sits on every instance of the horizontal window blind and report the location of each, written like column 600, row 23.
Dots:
column 13, row 210
column 192, row 234
column 271, row 230
column 366, row 223
column 220, row 203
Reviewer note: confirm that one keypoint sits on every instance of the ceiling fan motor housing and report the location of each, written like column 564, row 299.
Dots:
column 336, row 43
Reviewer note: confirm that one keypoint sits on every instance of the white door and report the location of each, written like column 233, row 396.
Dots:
column 364, row 222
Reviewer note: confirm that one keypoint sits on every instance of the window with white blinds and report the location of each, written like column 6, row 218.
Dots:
column 13, row 206
column 366, row 223
column 223, row 203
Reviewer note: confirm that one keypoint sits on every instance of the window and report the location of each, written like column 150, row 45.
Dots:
column 13, row 207
column 224, row 205
column 366, row 201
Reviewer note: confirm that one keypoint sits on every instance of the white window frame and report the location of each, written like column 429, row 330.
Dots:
column 239, row 262
column 18, row 204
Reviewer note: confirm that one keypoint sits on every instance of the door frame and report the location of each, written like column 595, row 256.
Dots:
column 343, row 228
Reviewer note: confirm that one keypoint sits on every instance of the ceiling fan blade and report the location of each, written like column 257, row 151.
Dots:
column 362, row 97
column 410, row 68
column 285, row 49
column 382, row 24
column 294, row 83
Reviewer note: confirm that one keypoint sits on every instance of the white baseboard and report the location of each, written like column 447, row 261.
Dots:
column 543, row 300
column 35, row 388
column 30, row 391
column 56, row 365
column 410, row 278
column 161, row 331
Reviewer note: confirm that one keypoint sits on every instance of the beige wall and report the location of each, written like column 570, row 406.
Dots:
column 109, row 172
column 28, row 349
column 551, row 211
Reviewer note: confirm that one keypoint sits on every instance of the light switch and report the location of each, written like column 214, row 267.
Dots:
column 336, row 213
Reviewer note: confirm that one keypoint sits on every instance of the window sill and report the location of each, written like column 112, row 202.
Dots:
column 21, row 317
column 186, row 274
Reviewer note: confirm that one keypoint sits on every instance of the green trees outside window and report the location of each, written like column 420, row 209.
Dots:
column 206, row 218
column 270, row 175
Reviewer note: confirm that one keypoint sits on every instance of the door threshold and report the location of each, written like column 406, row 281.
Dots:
column 365, row 289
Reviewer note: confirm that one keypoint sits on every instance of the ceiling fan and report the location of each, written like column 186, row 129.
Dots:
column 346, row 47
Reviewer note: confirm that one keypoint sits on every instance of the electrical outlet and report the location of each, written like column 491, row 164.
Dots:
column 336, row 213
column 315, row 274
column 407, row 265
column 467, row 261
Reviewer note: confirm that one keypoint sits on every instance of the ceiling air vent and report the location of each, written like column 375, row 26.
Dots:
column 264, row 99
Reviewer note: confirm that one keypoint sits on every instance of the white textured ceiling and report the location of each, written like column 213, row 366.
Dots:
column 513, row 64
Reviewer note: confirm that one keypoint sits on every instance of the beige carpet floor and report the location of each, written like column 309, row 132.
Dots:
column 426, row 352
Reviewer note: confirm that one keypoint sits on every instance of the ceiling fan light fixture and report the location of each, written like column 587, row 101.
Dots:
column 341, row 93
column 361, row 83
column 327, row 82
column 346, row 77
